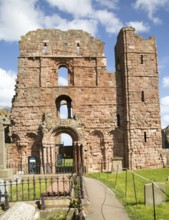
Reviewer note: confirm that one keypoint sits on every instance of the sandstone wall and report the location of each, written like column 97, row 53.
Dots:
column 113, row 115
column 136, row 62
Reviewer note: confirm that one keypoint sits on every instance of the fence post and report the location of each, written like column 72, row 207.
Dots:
column 117, row 174
column 43, row 206
column 34, row 188
column 126, row 184
column 154, row 205
column 10, row 185
column 134, row 187
column 6, row 203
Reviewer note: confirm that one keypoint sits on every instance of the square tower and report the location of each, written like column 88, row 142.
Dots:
column 137, row 83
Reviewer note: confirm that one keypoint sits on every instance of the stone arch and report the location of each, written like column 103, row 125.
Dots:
column 68, row 130
column 64, row 100
column 52, row 148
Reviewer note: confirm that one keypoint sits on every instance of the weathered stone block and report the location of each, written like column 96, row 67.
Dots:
column 159, row 193
column 19, row 211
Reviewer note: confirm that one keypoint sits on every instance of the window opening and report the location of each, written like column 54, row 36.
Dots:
column 66, row 139
column 142, row 61
column 142, row 96
column 64, row 107
column 118, row 120
column 145, row 137
column 63, row 110
column 64, row 157
column 45, row 48
column 62, row 76
column 78, row 48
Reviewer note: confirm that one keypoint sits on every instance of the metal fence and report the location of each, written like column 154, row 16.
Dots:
column 138, row 180
column 31, row 188
column 42, row 187
column 38, row 168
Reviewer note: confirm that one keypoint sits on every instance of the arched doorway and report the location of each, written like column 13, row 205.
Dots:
column 63, row 151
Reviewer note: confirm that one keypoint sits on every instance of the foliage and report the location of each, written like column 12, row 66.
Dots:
column 74, row 199
column 123, row 186
column 56, row 216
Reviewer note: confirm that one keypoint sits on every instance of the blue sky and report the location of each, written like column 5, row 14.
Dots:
column 102, row 18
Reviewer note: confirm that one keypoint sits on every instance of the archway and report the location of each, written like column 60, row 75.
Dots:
column 61, row 155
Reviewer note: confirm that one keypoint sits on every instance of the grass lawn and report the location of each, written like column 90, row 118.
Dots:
column 134, row 202
column 27, row 190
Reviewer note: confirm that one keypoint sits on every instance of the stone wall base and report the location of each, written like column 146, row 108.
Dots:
column 7, row 173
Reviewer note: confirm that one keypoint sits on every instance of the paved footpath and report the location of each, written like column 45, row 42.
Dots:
column 103, row 203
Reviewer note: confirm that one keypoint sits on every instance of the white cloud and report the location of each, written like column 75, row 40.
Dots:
column 139, row 26
column 7, row 82
column 18, row 18
column 163, row 63
column 165, row 121
column 62, row 81
column 109, row 20
column 55, row 21
column 88, row 18
column 165, row 111
column 165, row 81
column 165, row 101
column 26, row 16
column 109, row 4
column 78, row 8
column 151, row 7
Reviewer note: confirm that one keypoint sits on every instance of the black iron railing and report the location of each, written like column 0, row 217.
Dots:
column 38, row 168
column 31, row 188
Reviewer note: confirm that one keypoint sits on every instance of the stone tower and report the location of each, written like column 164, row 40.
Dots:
column 137, row 82
column 107, row 115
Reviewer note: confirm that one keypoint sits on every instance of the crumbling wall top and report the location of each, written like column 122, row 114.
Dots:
column 133, row 42
column 54, row 42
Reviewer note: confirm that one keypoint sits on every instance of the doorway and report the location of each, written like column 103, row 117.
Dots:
column 62, row 153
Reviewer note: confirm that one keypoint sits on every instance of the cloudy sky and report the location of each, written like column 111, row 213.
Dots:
column 102, row 18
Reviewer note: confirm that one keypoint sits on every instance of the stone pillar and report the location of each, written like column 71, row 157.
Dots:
column 4, row 173
column 2, row 148
column 75, row 156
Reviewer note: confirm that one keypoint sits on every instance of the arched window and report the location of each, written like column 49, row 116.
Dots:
column 64, row 106
column 62, row 76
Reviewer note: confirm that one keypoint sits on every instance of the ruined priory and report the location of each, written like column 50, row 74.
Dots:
column 108, row 115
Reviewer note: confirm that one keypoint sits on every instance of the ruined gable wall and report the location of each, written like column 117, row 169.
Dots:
column 91, row 88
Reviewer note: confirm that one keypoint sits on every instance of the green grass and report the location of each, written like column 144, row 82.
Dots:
column 25, row 192
column 66, row 162
column 134, row 203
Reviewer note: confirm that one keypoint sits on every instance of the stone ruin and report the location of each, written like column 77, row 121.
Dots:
column 108, row 115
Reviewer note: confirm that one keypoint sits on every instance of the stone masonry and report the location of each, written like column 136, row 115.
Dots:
column 109, row 114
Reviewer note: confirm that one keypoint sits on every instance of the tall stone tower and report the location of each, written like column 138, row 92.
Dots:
column 107, row 115
column 137, row 82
